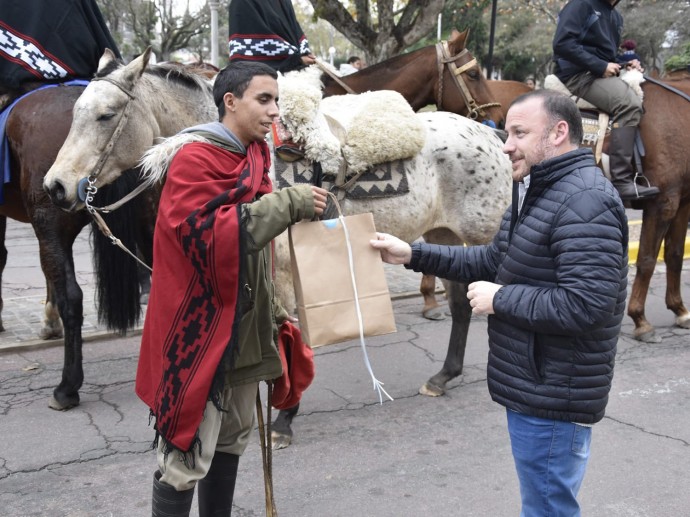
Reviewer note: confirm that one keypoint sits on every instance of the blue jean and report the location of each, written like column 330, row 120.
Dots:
column 550, row 459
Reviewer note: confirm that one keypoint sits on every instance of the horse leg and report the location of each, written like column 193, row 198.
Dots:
column 653, row 228
column 281, row 432
column 52, row 324
column 432, row 310
column 673, row 257
column 461, row 313
column 56, row 233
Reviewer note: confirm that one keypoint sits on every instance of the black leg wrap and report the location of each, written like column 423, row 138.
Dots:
column 218, row 487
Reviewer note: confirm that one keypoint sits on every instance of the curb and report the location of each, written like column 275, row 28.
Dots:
column 634, row 248
column 38, row 344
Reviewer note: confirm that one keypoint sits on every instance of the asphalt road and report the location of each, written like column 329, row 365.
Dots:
column 351, row 456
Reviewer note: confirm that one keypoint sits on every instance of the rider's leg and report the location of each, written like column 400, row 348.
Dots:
column 618, row 99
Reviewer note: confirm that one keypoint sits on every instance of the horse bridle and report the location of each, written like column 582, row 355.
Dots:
column 91, row 189
column 443, row 59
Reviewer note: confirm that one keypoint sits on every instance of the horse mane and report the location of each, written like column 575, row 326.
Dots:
column 191, row 77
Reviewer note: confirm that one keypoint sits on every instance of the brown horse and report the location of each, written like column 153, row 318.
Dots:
column 663, row 128
column 505, row 92
column 445, row 75
column 36, row 129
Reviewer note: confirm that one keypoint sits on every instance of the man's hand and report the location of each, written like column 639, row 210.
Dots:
column 320, row 196
column 309, row 59
column 393, row 250
column 612, row 70
column 634, row 65
column 481, row 297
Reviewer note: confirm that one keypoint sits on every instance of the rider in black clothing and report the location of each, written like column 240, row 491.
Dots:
column 586, row 55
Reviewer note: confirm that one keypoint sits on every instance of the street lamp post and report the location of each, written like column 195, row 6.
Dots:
column 214, row 4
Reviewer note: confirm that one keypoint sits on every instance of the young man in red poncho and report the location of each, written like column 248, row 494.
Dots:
column 211, row 325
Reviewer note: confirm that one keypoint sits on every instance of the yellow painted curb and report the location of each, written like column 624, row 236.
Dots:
column 634, row 248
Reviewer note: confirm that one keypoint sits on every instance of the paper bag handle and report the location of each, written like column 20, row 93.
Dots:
column 378, row 385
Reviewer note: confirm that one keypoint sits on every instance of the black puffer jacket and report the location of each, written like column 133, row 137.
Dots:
column 563, row 267
column 587, row 38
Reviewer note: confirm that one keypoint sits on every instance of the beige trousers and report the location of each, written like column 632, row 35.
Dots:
column 612, row 95
column 219, row 431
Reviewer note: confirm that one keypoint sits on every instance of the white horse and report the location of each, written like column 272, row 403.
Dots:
column 459, row 184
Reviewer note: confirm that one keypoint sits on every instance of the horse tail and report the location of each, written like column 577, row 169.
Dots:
column 117, row 274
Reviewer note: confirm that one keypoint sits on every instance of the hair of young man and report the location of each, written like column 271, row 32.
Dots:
column 558, row 106
column 352, row 60
column 235, row 79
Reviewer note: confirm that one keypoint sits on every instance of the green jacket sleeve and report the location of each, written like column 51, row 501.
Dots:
column 271, row 214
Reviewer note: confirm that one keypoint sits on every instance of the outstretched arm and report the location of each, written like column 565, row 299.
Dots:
column 393, row 250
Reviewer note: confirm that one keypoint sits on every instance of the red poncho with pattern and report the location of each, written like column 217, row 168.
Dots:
column 192, row 316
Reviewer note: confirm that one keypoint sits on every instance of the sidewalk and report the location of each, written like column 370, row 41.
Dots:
column 24, row 292
column 23, row 285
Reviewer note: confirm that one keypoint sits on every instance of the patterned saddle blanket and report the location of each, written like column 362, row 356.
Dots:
column 383, row 180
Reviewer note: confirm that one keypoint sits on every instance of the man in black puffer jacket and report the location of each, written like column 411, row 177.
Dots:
column 553, row 283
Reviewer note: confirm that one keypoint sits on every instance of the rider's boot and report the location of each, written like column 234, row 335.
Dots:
column 620, row 162
column 218, row 487
column 168, row 502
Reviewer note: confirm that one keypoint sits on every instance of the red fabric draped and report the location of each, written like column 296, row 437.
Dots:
column 193, row 308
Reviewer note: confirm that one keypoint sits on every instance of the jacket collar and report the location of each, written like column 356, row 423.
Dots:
column 555, row 168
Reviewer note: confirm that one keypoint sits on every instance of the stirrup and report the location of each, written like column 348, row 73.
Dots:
column 639, row 196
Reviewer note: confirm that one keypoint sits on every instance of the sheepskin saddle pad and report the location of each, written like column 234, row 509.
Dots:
column 348, row 133
column 386, row 179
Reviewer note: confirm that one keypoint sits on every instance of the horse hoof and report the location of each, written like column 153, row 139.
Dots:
column 280, row 441
column 430, row 390
column 648, row 336
column 683, row 321
column 435, row 314
column 68, row 403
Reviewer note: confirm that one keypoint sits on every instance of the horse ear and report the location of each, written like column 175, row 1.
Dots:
column 458, row 40
column 135, row 68
column 107, row 57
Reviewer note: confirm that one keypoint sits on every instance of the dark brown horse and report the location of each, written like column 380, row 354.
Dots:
column 36, row 129
column 664, row 130
column 445, row 75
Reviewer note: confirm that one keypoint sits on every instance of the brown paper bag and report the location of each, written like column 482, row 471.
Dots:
column 323, row 281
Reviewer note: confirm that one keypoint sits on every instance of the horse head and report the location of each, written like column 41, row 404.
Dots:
column 123, row 111
column 460, row 86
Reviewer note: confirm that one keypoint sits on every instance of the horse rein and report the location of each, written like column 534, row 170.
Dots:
column 668, row 87
column 335, row 77
column 443, row 59
column 91, row 189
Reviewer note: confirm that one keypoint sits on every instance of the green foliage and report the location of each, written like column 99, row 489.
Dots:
column 679, row 61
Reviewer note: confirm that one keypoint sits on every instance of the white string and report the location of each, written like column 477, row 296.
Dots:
column 378, row 385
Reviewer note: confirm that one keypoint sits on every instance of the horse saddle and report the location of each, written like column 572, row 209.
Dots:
column 348, row 134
